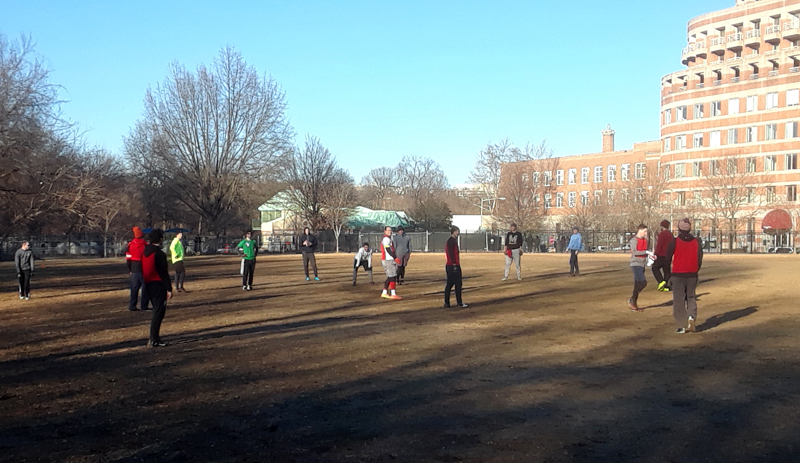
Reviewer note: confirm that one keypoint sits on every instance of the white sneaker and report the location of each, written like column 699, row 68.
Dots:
column 690, row 328
column 504, row 279
column 519, row 278
column 27, row 298
column 244, row 288
column 21, row 298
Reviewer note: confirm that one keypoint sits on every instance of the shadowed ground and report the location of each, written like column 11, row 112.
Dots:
column 550, row 369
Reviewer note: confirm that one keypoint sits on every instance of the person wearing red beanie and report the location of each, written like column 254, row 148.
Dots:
column 133, row 257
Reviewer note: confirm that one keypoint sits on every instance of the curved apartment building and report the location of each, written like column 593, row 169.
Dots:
column 729, row 119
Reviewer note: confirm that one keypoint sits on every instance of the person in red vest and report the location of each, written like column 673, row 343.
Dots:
column 660, row 265
column 684, row 258
column 159, row 286
column 453, row 269
column 133, row 257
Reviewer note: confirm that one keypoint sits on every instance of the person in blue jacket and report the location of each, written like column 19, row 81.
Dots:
column 574, row 246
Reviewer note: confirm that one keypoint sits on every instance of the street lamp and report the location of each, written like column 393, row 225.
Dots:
column 481, row 207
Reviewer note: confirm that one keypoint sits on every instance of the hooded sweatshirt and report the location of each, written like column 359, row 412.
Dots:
column 312, row 247
column 154, row 266
column 23, row 260
column 685, row 255
column 402, row 244
column 133, row 256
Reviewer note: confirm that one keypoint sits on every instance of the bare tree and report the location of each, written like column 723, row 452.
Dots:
column 420, row 177
column 378, row 184
column 210, row 133
column 432, row 213
column 524, row 186
column 340, row 202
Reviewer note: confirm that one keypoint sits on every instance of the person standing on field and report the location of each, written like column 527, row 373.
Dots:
column 308, row 245
column 513, row 251
column 176, row 252
column 685, row 258
column 363, row 259
column 248, row 250
column 453, row 269
column 660, row 266
column 24, row 263
column 389, row 261
column 574, row 246
column 402, row 246
column 159, row 286
column 133, row 257
column 638, row 262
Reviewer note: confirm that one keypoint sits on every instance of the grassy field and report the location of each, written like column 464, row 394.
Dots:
column 549, row 369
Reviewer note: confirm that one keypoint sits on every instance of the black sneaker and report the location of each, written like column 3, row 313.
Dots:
column 156, row 344
column 354, row 283
column 446, row 306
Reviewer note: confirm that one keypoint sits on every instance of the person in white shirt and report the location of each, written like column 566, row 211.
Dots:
column 363, row 259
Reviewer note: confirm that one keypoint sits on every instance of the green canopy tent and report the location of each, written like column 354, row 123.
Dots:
column 367, row 219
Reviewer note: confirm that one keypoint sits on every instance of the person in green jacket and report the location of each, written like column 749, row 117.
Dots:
column 176, row 251
column 248, row 249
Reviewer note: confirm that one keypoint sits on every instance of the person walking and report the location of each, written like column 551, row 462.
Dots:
column 684, row 259
column 24, row 264
column 638, row 262
column 562, row 244
column 308, row 245
column 363, row 259
column 402, row 246
column 660, row 266
column 574, row 246
column 176, row 251
column 133, row 257
column 452, row 268
column 513, row 251
column 537, row 243
column 248, row 250
column 389, row 261
column 159, row 286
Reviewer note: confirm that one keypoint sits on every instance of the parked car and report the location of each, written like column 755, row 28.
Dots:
column 780, row 250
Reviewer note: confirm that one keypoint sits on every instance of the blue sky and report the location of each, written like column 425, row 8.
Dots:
column 377, row 80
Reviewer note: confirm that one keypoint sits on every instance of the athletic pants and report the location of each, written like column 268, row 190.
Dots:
column 401, row 267
column 367, row 268
column 158, row 295
column 308, row 258
column 515, row 258
column 684, row 300
column 660, row 269
column 573, row 262
column 247, row 274
column 180, row 274
column 25, row 283
column 453, row 279
column 137, row 282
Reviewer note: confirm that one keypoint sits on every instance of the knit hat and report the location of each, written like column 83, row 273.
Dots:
column 685, row 225
column 665, row 223
column 401, row 228
column 137, row 232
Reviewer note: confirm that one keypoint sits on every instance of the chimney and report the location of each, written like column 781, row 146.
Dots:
column 608, row 139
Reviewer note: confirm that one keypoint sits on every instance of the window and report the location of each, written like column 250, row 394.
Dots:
column 571, row 199
column 680, row 142
column 612, row 173
column 536, row 199
column 751, row 195
column 584, row 175
column 625, row 172
column 547, row 200
column 733, row 106
column 667, row 116
column 681, row 198
column 640, row 170
column 560, row 177
column 535, row 178
column 598, row 174
column 666, row 173
column 584, row 198
column 666, row 145
column 680, row 170
column 715, row 138
column 791, row 130
column 524, row 177
column 697, row 140
column 572, row 174
column 559, row 199
column 680, row 113
column 751, row 134
column 793, row 97
column 698, row 110
column 624, row 195
column 750, row 164
column 697, row 169
column 770, row 193
column 791, row 193
column 752, row 103
column 790, row 162
column 732, row 167
column 769, row 163
column 610, row 197
column 772, row 100
column 698, row 198
column 598, row 197
column 713, row 167
column 770, row 131
column 716, row 108
column 733, row 136
column 548, row 178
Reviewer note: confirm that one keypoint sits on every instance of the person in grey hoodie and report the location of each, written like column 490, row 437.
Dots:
column 402, row 247
column 638, row 263
column 23, row 262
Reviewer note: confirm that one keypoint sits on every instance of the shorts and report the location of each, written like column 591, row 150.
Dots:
column 390, row 266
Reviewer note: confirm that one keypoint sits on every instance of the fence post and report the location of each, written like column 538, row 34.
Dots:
column 426, row 240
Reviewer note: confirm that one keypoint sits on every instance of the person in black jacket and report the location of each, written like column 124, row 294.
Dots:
column 159, row 285
column 24, row 263
column 308, row 244
column 513, row 251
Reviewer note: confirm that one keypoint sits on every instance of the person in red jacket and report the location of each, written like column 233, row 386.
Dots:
column 159, row 286
column 133, row 257
column 660, row 267
column 685, row 257
column 453, row 268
